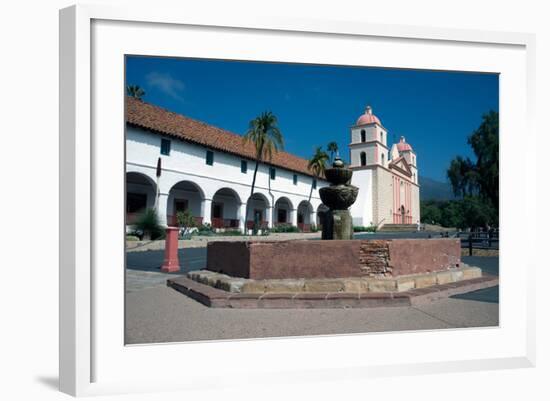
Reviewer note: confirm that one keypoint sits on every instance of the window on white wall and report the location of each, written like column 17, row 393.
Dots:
column 209, row 157
column 165, row 146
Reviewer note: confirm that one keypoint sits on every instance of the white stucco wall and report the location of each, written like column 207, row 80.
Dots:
column 361, row 210
column 383, row 197
column 187, row 162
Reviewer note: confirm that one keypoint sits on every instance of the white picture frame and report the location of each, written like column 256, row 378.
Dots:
column 90, row 348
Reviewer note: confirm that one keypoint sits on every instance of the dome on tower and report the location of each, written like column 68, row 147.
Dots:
column 403, row 146
column 368, row 118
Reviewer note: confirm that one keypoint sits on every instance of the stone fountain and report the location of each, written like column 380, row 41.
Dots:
column 338, row 197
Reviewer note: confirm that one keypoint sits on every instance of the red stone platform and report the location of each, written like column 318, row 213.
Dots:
column 216, row 298
column 332, row 259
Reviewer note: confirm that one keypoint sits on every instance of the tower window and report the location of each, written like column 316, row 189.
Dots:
column 272, row 173
column 363, row 136
column 244, row 166
column 314, row 183
column 381, row 136
column 383, row 157
column 295, row 179
column 363, row 159
column 165, row 147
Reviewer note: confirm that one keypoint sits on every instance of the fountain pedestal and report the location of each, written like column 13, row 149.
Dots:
column 338, row 197
column 337, row 224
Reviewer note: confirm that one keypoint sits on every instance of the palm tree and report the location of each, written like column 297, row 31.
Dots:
column 317, row 165
column 332, row 147
column 266, row 137
column 135, row 91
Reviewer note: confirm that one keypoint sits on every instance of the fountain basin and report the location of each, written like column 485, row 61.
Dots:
column 339, row 197
column 332, row 259
column 338, row 176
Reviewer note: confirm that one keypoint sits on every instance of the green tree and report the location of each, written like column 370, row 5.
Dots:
column 476, row 182
column 484, row 142
column 430, row 212
column 462, row 176
column 317, row 165
column 267, row 139
column 470, row 178
column 135, row 91
column 332, row 147
column 469, row 212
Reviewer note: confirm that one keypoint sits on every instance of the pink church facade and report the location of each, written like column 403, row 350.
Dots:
column 387, row 176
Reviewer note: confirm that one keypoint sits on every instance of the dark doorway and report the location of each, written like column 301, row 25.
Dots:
column 180, row 205
column 281, row 215
column 217, row 210
column 135, row 202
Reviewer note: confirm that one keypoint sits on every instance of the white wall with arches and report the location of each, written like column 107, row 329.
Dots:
column 186, row 176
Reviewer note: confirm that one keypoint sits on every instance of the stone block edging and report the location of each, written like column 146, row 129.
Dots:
column 216, row 298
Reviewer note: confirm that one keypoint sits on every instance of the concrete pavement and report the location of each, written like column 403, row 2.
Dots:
column 156, row 313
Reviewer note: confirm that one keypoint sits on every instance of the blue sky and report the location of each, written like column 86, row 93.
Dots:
column 316, row 104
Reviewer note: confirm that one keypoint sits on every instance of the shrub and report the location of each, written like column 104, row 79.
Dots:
column 205, row 229
column 148, row 223
column 285, row 228
column 132, row 238
column 186, row 221
column 368, row 229
column 234, row 232
column 313, row 228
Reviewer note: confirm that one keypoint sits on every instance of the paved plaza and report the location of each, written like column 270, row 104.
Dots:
column 156, row 313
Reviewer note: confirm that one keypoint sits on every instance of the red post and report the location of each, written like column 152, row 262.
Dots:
column 171, row 261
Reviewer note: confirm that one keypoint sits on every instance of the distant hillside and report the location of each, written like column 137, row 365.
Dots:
column 434, row 190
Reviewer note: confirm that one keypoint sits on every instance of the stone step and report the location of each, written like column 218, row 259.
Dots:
column 216, row 298
column 398, row 227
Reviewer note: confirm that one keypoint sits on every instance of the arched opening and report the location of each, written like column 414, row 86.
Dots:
column 185, row 195
column 283, row 211
column 402, row 209
column 363, row 159
column 305, row 211
column 141, row 192
column 363, row 136
column 383, row 158
column 257, row 208
column 321, row 210
column 225, row 209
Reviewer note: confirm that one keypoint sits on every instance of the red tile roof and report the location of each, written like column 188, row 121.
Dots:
column 159, row 120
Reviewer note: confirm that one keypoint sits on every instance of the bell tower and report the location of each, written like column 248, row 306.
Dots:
column 368, row 145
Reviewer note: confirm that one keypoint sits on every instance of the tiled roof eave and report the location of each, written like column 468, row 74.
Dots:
column 218, row 148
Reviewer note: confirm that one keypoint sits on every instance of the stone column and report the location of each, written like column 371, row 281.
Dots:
column 313, row 218
column 162, row 209
column 294, row 217
column 206, row 211
column 242, row 217
column 269, row 212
